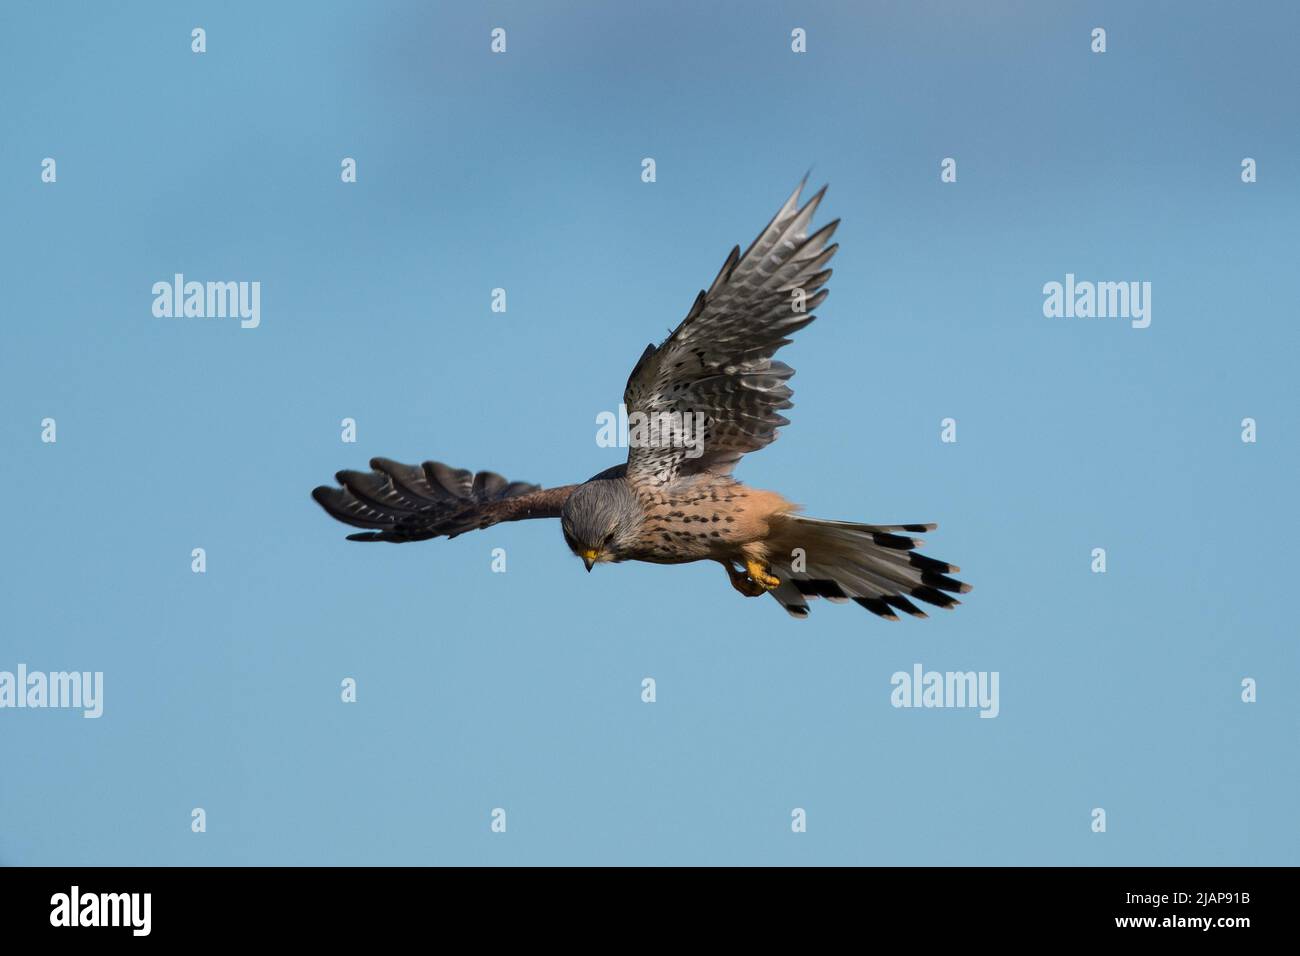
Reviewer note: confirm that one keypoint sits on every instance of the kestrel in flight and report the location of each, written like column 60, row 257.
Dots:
column 675, row 500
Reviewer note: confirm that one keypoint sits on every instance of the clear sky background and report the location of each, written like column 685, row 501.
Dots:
column 522, row 690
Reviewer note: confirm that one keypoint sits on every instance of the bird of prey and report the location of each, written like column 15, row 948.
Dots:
column 675, row 500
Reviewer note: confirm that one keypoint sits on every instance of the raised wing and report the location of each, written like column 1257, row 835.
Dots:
column 717, row 365
column 400, row 502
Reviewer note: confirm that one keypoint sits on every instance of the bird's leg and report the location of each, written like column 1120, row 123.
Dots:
column 741, row 582
column 760, row 572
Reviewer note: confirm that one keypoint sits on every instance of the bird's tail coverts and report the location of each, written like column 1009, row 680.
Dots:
column 398, row 502
column 875, row 566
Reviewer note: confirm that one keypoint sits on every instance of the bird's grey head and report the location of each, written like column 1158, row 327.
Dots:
column 601, row 520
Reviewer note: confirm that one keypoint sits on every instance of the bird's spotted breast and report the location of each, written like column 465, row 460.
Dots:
column 702, row 517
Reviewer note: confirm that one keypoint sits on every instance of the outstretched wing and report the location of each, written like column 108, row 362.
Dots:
column 415, row 502
column 718, row 363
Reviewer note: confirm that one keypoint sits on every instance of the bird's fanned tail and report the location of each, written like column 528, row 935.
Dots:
column 875, row 566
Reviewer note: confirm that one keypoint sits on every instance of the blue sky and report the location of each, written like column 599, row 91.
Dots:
column 522, row 171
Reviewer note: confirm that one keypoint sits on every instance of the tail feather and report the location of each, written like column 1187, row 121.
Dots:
column 872, row 565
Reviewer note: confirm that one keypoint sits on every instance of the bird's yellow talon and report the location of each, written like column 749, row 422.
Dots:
column 760, row 575
column 741, row 582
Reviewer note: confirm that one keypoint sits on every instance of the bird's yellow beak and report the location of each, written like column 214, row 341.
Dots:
column 589, row 557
